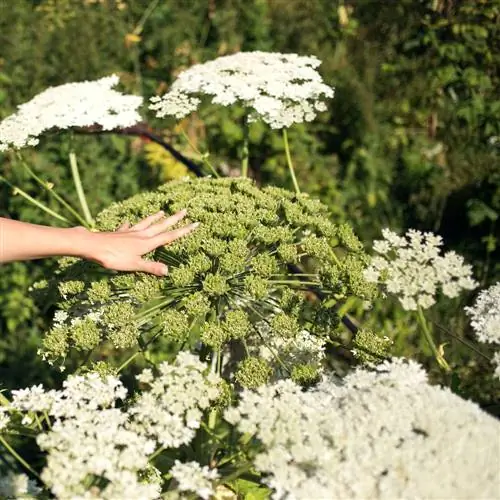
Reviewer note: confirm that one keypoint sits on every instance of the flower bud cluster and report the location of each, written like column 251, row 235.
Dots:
column 224, row 277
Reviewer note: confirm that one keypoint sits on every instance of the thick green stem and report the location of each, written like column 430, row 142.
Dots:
column 289, row 161
column 18, row 457
column 245, row 151
column 79, row 189
column 428, row 336
column 26, row 196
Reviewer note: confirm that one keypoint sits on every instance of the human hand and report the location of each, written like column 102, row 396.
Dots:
column 123, row 250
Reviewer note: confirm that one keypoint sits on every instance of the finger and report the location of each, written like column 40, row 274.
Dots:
column 166, row 238
column 162, row 226
column 145, row 223
column 151, row 267
column 124, row 227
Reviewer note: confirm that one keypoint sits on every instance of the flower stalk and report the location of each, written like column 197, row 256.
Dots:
column 289, row 161
column 428, row 336
column 79, row 189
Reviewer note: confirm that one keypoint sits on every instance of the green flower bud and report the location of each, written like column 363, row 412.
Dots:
column 291, row 302
column 73, row 287
column 264, row 265
column 253, row 372
column 147, row 288
column 236, row 324
column 369, row 347
column 215, row 285
column 85, row 334
column 123, row 281
column 199, row 263
column 103, row 368
column 55, row 343
column 256, row 287
column 305, row 375
column 225, row 395
column 213, row 335
column 288, row 253
column 196, row 304
column 181, row 276
column 317, row 247
column 175, row 325
column 125, row 336
column 99, row 291
column 284, row 325
column 214, row 247
column 348, row 238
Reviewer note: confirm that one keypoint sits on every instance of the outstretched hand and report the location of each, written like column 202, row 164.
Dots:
column 123, row 250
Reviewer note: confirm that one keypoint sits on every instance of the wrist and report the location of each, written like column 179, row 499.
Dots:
column 83, row 242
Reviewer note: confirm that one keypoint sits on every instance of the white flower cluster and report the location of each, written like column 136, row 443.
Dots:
column 383, row 433
column 17, row 486
column 412, row 269
column 191, row 476
column 89, row 438
column 485, row 319
column 79, row 104
column 170, row 410
column 281, row 89
column 91, row 441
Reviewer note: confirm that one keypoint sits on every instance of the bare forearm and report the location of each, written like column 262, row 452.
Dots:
column 121, row 250
column 23, row 241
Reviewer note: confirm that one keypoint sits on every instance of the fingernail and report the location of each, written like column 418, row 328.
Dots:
column 183, row 211
column 165, row 271
column 194, row 225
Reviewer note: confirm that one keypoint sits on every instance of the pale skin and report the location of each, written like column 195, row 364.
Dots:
column 121, row 250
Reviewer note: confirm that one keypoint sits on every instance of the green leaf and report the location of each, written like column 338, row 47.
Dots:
column 478, row 212
column 250, row 490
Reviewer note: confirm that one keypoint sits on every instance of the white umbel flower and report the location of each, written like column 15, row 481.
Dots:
column 381, row 434
column 191, row 476
column 18, row 486
column 171, row 409
column 485, row 320
column 485, row 315
column 412, row 269
column 281, row 89
column 79, row 104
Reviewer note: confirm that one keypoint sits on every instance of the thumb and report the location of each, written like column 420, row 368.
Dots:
column 151, row 267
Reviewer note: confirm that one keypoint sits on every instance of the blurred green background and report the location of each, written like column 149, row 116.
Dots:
column 411, row 139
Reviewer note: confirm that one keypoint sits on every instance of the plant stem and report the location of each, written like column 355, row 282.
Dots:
column 289, row 161
column 18, row 457
column 26, row 196
column 244, row 150
column 204, row 157
column 79, row 189
column 428, row 336
column 128, row 361
column 47, row 186
column 462, row 341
